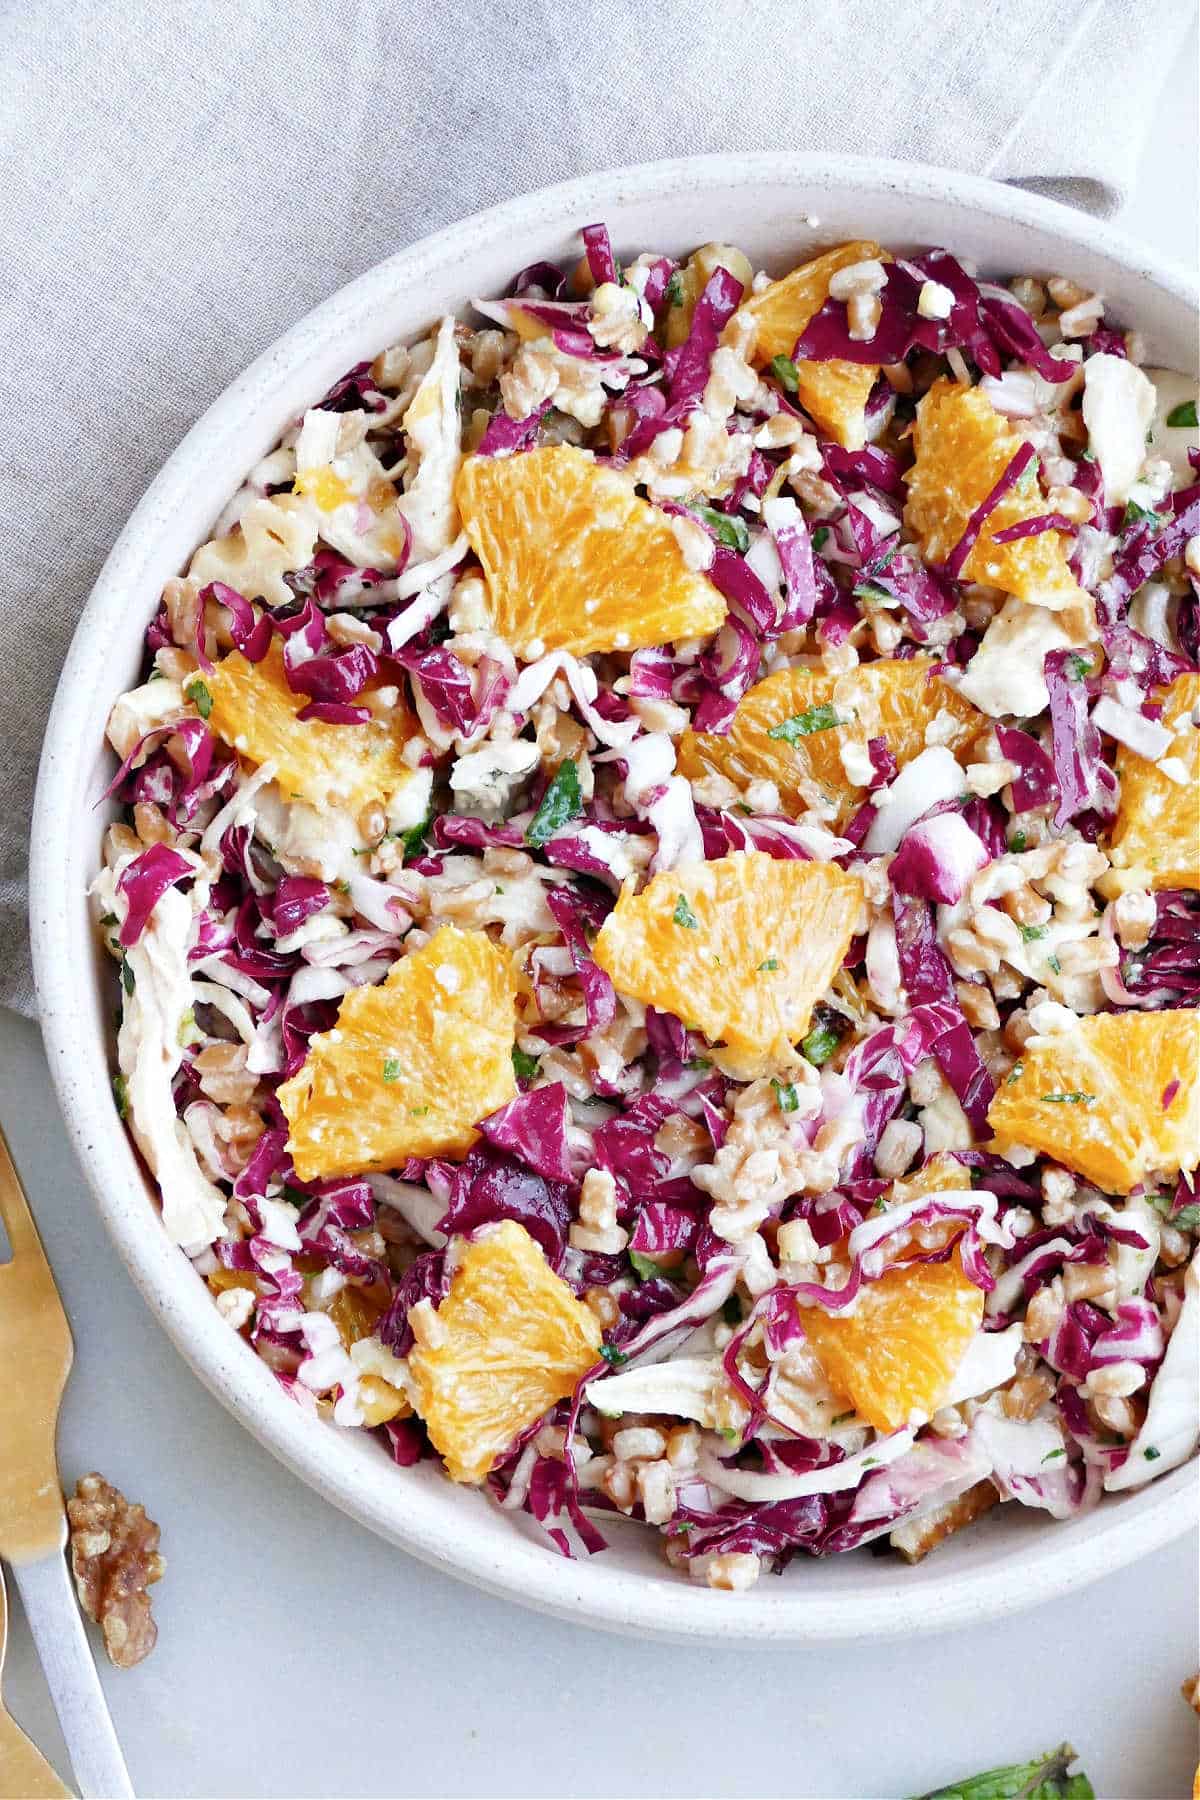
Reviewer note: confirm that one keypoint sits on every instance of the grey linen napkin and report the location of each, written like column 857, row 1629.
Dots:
column 183, row 182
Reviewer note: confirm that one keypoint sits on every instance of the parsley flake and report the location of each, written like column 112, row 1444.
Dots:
column 561, row 802
column 727, row 529
column 770, row 965
column 784, row 371
column 683, row 914
column 817, row 718
column 1182, row 416
column 198, row 694
column 612, row 1356
column 1029, row 933
column 1151, row 1454
column 120, row 1096
column 525, row 1067
column 391, row 1068
column 1075, row 1099
column 787, row 1094
column 1080, row 666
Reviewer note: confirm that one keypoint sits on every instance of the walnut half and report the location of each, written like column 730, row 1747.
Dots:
column 114, row 1555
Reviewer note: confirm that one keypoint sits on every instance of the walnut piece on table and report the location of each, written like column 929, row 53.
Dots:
column 915, row 1538
column 114, row 1555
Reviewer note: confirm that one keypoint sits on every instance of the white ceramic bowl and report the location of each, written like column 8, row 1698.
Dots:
column 779, row 209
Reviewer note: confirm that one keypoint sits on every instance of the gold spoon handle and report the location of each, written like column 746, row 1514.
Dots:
column 24, row 1772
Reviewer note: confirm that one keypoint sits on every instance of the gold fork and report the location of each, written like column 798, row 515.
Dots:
column 35, row 1360
column 24, row 1771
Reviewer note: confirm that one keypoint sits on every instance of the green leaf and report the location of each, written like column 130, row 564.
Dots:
column 391, row 1068
column 727, row 530
column 787, row 1094
column 1139, row 515
column 126, row 975
column 1182, row 416
column 784, row 371
column 1030, row 933
column 1151, row 1454
column 675, row 289
column 820, row 537
column 1052, row 962
column 817, row 718
column 197, row 692
column 613, row 1356
column 1014, row 1074
column 1018, row 841
column 189, row 1032
column 1046, row 1779
column 1051, row 1455
column 413, row 839
column 820, row 1045
column 1075, row 1099
column 120, row 1096
column 644, row 1267
column 683, row 914
column 769, row 966
column 1186, row 1219
column 1079, row 666
column 561, row 803
column 108, row 918
column 525, row 1067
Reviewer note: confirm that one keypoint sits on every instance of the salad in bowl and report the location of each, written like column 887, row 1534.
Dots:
column 657, row 902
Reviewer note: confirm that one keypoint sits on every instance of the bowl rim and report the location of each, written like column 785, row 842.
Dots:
column 592, row 1592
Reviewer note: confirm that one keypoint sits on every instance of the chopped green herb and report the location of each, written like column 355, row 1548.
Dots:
column 644, row 1267
column 1186, row 1219
column 525, row 1067
column 769, row 966
column 613, row 1356
column 121, row 1096
column 417, row 1112
column 391, row 1068
column 413, row 839
column 1052, row 962
column 1048, row 1778
column 817, row 718
column 1151, row 1454
column 820, row 1045
column 1139, row 515
column 872, row 1462
column 842, row 1417
column 787, row 1094
column 1075, row 1099
column 729, row 1434
column 1052, row 1454
column 197, row 692
column 189, row 1032
column 675, row 289
column 1182, row 416
column 1031, row 932
column 784, row 371
column 725, row 528
column 127, row 975
column 1018, row 841
column 683, row 914
column 561, row 802
column 108, row 918
column 820, row 537
column 731, row 1312
column 698, row 1062
column 1079, row 666
column 1015, row 1073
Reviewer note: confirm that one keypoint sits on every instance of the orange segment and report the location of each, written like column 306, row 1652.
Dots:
column 1156, row 839
column 941, row 1173
column 893, row 700
column 834, row 393
column 411, row 1065
column 574, row 560
column 963, row 446
column 1093, row 1097
column 515, row 1342
column 742, row 947
column 254, row 711
column 898, row 1350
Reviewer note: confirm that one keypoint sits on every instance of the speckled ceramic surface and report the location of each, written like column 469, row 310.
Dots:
column 778, row 208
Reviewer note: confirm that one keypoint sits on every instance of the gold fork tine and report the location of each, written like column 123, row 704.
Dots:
column 35, row 1359
column 24, row 1772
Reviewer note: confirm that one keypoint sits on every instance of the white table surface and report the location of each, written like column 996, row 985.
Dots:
column 301, row 1656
